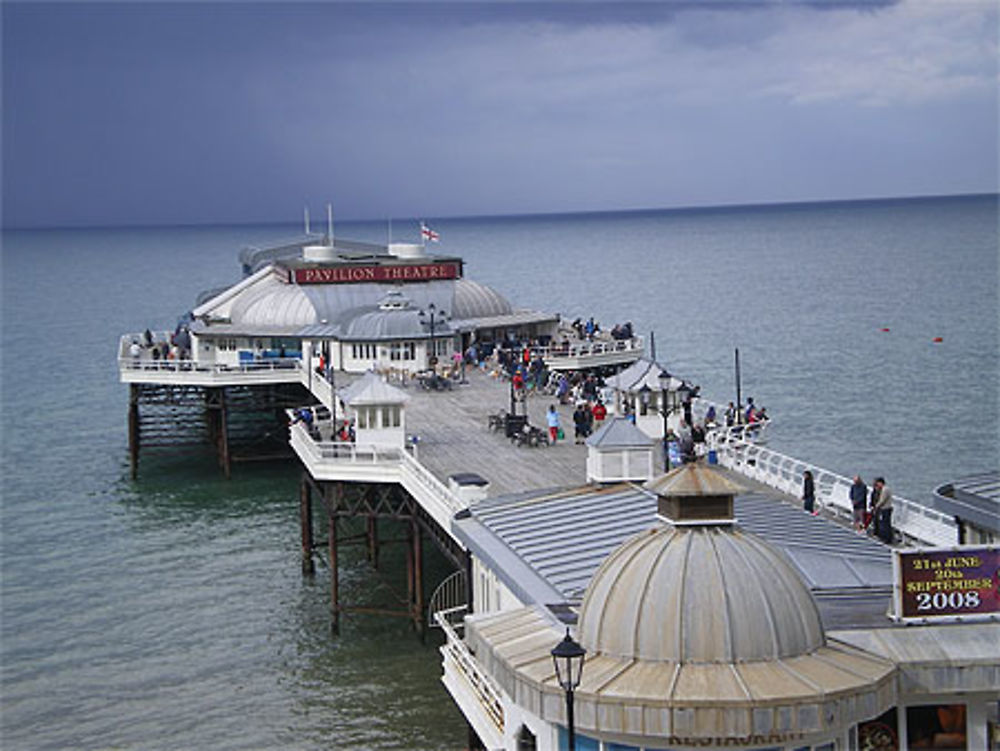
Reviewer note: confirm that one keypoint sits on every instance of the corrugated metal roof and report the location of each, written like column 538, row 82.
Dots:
column 693, row 480
column 561, row 537
column 619, row 433
column 517, row 318
column 974, row 499
column 372, row 389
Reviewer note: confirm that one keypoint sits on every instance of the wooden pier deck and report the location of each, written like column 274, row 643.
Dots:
column 455, row 437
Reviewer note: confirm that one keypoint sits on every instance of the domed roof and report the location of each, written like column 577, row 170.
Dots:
column 475, row 300
column 649, row 600
column 273, row 303
column 393, row 318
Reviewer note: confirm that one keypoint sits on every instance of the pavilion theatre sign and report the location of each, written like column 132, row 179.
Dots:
column 422, row 272
column 959, row 583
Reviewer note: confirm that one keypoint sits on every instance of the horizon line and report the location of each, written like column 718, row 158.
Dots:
column 515, row 215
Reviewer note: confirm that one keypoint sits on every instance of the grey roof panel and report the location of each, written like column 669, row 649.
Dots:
column 561, row 537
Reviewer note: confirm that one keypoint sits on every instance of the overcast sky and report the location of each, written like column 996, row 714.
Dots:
column 146, row 113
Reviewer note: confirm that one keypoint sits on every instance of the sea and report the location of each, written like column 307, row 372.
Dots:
column 170, row 612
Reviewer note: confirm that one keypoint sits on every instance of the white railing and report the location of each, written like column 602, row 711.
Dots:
column 450, row 598
column 431, row 485
column 433, row 495
column 586, row 348
column 342, row 451
column 917, row 523
column 482, row 686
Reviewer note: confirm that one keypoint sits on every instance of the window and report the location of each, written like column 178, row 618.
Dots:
column 395, row 351
column 363, row 351
column 409, row 350
column 936, row 726
column 526, row 740
column 390, row 417
column 368, row 418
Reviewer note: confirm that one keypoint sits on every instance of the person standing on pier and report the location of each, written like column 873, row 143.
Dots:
column 809, row 492
column 883, row 510
column 859, row 497
column 553, row 419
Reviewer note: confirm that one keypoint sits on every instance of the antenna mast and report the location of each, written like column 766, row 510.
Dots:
column 306, row 210
column 329, row 222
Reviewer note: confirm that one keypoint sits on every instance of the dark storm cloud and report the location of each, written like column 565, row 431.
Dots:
column 242, row 112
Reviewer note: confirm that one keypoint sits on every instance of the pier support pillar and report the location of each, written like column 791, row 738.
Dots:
column 334, row 506
column 306, row 522
column 417, row 599
column 133, row 429
column 224, row 435
column 372, row 535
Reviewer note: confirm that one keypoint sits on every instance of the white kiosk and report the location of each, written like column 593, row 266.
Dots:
column 377, row 410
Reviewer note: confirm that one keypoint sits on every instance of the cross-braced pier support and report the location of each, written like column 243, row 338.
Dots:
column 371, row 504
column 239, row 423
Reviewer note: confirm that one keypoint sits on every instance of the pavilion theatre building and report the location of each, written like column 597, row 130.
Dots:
column 357, row 308
column 711, row 617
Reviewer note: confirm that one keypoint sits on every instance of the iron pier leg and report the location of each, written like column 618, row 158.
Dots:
column 133, row 429
column 224, row 435
column 373, row 541
column 305, row 518
column 334, row 508
column 418, row 579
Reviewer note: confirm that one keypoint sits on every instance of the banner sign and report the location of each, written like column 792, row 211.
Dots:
column 948, row 583
column 423, row 272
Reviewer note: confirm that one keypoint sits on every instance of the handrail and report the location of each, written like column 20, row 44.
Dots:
column 913, row 520
column 583, row 348
column 426, row 479
column 485, row 689
column 450, row 597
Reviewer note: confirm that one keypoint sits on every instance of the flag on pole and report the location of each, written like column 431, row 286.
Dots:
column 428, row 234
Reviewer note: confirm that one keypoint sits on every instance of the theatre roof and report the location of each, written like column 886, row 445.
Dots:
column 546, row 546
column 975, row 499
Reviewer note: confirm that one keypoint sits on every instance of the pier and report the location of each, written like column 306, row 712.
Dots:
column 389, row 377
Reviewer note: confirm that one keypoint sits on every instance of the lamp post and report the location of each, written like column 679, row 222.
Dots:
column 666, row 408
column 644, row 393
column 683, row 394
column 431, row 318
column 568, row 656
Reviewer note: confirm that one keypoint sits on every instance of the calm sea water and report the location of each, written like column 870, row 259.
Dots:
column 171, row 612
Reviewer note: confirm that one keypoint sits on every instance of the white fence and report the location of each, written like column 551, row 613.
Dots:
column 457, row 656
column 917, row 523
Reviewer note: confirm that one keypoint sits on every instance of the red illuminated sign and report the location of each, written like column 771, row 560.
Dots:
column 948, row 583
column 424, row 272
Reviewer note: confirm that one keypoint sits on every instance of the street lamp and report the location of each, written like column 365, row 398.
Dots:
column 664, row 379
column 431, row 318
column 568, row 659
column 683, row 394
column 644, row 393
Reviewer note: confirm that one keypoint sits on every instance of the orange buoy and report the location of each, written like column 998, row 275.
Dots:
column 938, row 339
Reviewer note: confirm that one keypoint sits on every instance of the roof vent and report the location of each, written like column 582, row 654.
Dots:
column 695, row 494
column 319, row 253
column 407, row 250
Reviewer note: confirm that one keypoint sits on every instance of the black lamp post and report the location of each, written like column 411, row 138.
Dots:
column 666, row 409
column 431, row 318
column 683, row 394
column 568, row 659
column 644, row 393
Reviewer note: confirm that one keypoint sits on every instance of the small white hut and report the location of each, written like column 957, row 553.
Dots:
column 619, row 452
column 378, row 411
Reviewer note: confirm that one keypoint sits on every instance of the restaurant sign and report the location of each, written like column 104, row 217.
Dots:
column 947, row 583
column 343, row 274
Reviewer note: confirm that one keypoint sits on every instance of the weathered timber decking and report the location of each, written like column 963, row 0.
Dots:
column 455, row 437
